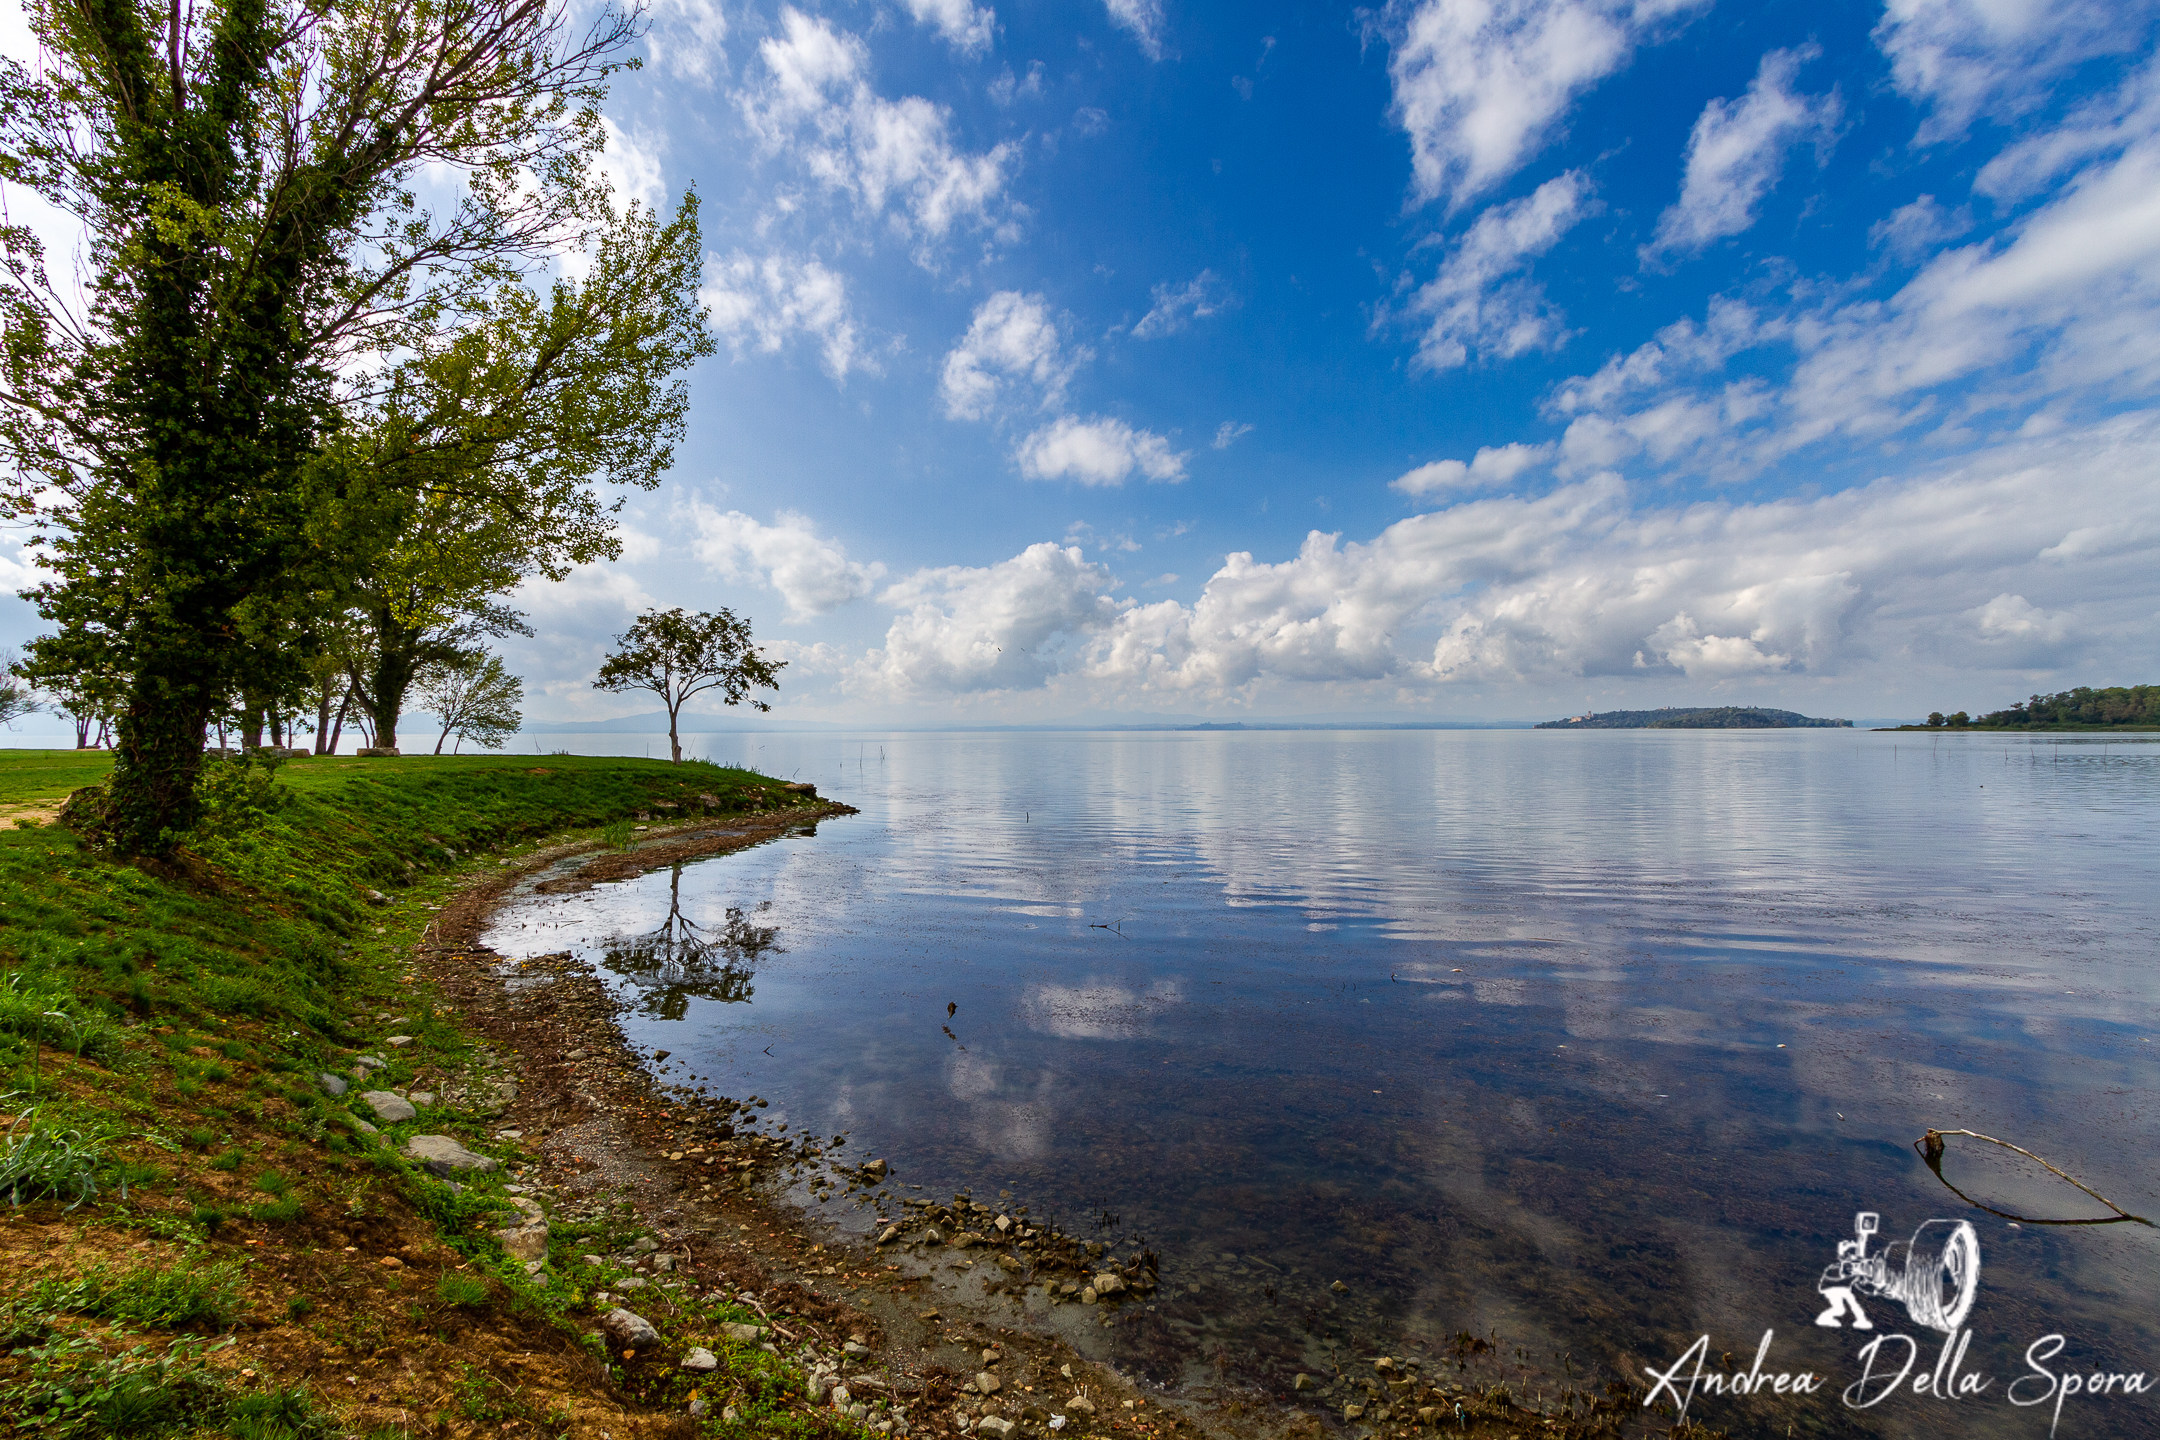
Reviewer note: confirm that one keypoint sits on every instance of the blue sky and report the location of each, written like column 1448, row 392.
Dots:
column 1435, row 359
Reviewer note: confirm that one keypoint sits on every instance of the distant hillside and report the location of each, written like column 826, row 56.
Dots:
column 1721, row 717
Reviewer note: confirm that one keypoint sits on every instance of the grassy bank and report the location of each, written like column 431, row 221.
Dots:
column 201, row 1239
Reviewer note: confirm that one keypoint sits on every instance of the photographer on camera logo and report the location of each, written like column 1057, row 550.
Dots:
column 1936, row 1276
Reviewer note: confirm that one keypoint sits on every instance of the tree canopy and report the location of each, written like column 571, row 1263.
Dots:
column 250, row 178
column 676, row 655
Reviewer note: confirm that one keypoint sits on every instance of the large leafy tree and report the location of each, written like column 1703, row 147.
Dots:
column 676, row 654
column 479, row 461
column 249, row 177
column 474, row 698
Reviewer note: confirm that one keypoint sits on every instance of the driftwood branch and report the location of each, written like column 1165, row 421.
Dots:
column 1931, row 1148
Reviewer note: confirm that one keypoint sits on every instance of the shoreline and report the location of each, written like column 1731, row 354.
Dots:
column 953, row 1326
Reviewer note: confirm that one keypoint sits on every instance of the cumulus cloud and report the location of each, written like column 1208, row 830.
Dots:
column 1010, row 340
column 966, row 27
column 1493, row 465
column 1586, row 581
column 1177, row 306
column 1965, row 59
column 765, row 302
column 1101, row 451
column 896, row 157
column 1481, row 85
column 811, row 572
column 1144, row 18
column 631, row 165
column 1737, row 150
column 1229, row 433
column 999, row 627
column 1479, row 299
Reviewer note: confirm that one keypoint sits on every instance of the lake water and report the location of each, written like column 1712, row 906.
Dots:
column 1583, row 1044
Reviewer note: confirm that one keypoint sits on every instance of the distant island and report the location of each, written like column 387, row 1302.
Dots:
column 2118, row 707
column 1720, row 717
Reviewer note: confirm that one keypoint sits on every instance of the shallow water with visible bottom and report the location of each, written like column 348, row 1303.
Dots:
column 1585, row 1045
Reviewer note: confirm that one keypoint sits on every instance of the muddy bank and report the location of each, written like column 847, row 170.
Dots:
column 953, row 1311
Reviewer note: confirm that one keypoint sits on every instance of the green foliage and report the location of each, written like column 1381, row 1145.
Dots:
column 2118, row 705
column 70, row 1388
column 16, row 699
column 474, row 698
column 163, row 1297
column 455, row 1288
column 616, row 836
column 288, row 1413
column 675, row 655
column 39, row 1161
column 236, row 794
column 41, row 1009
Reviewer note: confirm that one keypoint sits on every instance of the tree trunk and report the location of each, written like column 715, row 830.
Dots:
column 397, row 659
column 674, row 745
column 156, row 762
column 337, row 729
column 251, row 723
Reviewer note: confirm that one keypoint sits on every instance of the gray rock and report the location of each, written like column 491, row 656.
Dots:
column 700, row 1360
column 526, row 1240
column 633, row 1282
column 1080, row 1405
column 331, row 1084
column 995, row 1425
column 933, row 1236
column 444, row 1156
column 390, row 1109
column 398, row 1040
column 421, row 1097
column 628, row 1331
column 874, row 1170
column 988, row 1384
column 748, row 1333
column 1088, row 1296
column 1353, row 1411
column 362, row 1126
column 888, row 1235
column 1302, row 1382
column 854, row 1347
column 1109, row 1283
column 965, row 1239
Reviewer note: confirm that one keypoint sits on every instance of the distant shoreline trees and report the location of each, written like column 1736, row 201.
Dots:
column 2115, row 705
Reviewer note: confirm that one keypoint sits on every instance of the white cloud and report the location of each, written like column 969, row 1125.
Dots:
column 1493, row 465
column 1011, row 338
column 896, row 157
column 1177, row 306
column 999, row 627
column 1938, row 574
column 1914, row 230
column 1144, row 18
column 1101, row 451
column 1229, row 433
column 1737, row 150
column 767, row 301
column 631, row 165
column 1477, row 299
column 1965, row 59
column 688, row 38
column 1480, row 85
column 1007, row 88
column 811, row 573
column 966, row 27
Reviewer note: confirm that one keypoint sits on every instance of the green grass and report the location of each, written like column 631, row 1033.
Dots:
column 167, row 1297
column 31, row 777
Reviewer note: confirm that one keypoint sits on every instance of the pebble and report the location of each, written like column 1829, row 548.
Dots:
column 398, row 1040
column 390, row 1109
column 965, row 1239
column 509, row 1134
column 422, row 1097
column 995, row 1425
column 1302, row 1382
column 627, row 1330
column 988, row 1384
column 1339, row 1288
column 700, row 1360
column 633, row 1282
column 748, row 1333
column 363, row 1127
column 854, row 1347
column 442, row 1155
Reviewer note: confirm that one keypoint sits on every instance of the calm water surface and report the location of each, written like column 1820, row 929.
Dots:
column 1585, row 1043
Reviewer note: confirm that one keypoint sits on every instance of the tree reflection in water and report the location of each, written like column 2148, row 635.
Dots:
column 682, row 959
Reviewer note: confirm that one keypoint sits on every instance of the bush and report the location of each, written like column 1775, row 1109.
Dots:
column 75, row 1391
